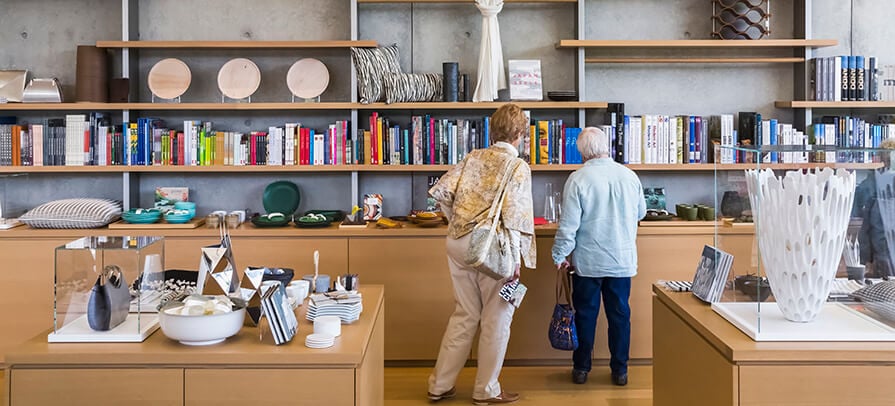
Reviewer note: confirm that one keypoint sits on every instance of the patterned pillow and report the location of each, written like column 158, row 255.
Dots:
column 879, row 298
column 412, row 87
column 73, row 213
column 370, row 64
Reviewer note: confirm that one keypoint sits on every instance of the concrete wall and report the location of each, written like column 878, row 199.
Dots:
column 42, row 35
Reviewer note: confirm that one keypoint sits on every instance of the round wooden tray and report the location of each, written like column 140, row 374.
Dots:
column 239, row 78
column 169, row 78
column 307, row 78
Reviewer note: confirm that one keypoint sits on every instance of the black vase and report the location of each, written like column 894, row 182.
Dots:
column 732, row 204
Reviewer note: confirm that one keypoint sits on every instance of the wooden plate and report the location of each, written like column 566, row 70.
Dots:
column 307, row 78
column 239, row 78
column 169, row 78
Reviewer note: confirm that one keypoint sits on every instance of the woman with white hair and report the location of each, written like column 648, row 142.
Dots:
column 602, row 203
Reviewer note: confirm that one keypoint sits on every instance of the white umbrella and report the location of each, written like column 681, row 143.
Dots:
column 491, row 76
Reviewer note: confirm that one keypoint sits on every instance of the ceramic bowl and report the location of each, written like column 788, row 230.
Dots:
column 200, row 330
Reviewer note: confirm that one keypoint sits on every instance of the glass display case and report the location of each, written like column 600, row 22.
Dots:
column 811, row 233
column 101, row 289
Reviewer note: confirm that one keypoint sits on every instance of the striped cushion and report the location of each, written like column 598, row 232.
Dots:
column 370, row 64
column 879, row 298
column 412, row 87
column 73, row 213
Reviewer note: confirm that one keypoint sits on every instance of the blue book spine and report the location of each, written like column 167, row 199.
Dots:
column 627, row 151
column 692, row 142
column 311, row 152
column 487, row 132
column 773, row 139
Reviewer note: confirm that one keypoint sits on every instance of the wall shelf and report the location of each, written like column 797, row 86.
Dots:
column 697, row 43
column 810, row 104
column 404, row 168
column 694, row 60
column 293, row 106
column 234, row 44
column 464, row 1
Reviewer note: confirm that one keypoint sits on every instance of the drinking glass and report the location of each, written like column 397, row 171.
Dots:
column 549, row 204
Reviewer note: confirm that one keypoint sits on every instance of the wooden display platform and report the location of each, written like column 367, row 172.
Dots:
column 701, row 358
column 160, row 225
column 241, row 370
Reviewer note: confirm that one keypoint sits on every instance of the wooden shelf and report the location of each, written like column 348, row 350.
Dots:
column 403, row 168
column 834, row 105
column 464, row 1
column 483, row 105
column 235, row 44
column 293, row 106
column 694, row 60
column 697, row 43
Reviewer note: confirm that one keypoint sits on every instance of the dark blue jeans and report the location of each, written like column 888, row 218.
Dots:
column 586, row 294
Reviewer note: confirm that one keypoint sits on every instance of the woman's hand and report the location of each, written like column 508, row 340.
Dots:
column 516, row 272
column 562, row 265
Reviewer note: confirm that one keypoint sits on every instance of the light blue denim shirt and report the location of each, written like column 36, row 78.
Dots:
column 602, row 203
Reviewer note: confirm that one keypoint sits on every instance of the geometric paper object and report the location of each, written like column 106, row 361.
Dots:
column 250, row 291
column 217, row 269
column 801, row 219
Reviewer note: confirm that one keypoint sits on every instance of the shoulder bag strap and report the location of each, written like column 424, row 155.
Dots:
column 502, row 189
column 564, row 287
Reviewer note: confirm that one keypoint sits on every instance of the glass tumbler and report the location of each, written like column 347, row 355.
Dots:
column 549, row 204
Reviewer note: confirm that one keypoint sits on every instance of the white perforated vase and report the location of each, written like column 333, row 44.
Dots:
column 801, row 221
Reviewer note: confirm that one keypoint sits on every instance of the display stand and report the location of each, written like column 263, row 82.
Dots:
column 836, row 322
column 160, row 100
column 79, row 331
column 296, row 99
column 225, row 99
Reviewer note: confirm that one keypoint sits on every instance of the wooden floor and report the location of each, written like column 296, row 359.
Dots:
column 537, row 385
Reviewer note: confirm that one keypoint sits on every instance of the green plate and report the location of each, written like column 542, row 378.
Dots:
column 281, row 197
column 263, row 222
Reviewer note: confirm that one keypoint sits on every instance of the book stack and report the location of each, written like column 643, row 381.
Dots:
column 346, row 305
column 711, row 274
column 279, row 314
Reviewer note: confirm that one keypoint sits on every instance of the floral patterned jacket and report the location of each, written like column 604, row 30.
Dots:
column 467, row 191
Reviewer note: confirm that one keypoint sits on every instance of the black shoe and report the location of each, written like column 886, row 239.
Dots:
column 579, row 377
column 620, row 380
column 447, row 395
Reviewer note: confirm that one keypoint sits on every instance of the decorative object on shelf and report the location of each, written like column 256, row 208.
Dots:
column 202, row 320
column 732, row 204
column 464, row 86
column 878, row 298
column 711, row 274
column 885, row 199
column 42, row 90
column 238, row 79
column 217, row 269
column 525, row 79
column 563, row 95
column 372, row 207
column 73, row 213
column 307, row 79
column 451, row 78
column 550, row 204
column 142, row 216
column 370, row 64
column 169, row 79
column 92, row 74
column 657, row 215
column 741, row 19
column 803, row 218
column 250, row 292
column 412, row 87
column 281, row 196
column 491, row 76
column 109, row 300
column 655, row 198
column 312, row 220
column 119, row 90
column 12, row 85
column 270, row 220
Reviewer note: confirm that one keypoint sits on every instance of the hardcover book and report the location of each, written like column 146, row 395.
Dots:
column 711, row 274
column 525, row 79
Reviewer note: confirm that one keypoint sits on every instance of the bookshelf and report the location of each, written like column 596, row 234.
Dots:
column 234, row 44
column 698, row 43
column 810, row 104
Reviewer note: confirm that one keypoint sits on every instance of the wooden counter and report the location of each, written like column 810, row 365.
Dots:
column 240, row 371
column 410, row 262
column 700, row 358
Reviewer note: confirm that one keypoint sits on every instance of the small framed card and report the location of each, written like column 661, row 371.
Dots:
column 372, row 207
column 513, row 292
column 525, row 79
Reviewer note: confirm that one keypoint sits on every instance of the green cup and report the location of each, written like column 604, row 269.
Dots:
column 679, row 209
column 708, row 214
column 691, row 213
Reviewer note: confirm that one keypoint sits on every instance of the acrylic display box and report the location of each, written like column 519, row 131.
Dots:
column 812, row 234
column 79, row 263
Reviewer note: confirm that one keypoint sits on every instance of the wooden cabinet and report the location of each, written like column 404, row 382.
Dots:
column 97, row 386
column 239, row 387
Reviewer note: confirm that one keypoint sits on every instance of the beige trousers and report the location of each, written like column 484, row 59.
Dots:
column 478, row 303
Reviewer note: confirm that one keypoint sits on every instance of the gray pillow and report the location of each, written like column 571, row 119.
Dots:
column 369, row 65
column 412, row 87
column 73, row 213
column 878, row 298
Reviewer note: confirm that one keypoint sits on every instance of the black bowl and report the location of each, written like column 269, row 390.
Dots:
column 757, row 288
column 284, row 278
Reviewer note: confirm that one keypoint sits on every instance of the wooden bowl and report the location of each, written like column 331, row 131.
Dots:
column 169, row 78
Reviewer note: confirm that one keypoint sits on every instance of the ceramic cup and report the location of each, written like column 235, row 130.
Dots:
column 691, row 213
column 232, row 220
column 856, row 273
column 322, row 282
column 212, row 221
column 240, row 213
column 298, row 290
column 708, row 213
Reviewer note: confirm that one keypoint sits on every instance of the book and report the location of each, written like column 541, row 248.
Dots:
column 280, row 316
column 525, row 79
column 711, row 274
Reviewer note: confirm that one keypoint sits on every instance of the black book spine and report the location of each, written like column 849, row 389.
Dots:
column 846, row 95
column 872, row 80
column 861, row 88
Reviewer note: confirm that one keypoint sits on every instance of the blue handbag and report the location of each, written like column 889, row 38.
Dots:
column 562, row 332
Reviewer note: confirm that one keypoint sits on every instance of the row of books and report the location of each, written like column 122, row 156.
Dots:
column 848, row 78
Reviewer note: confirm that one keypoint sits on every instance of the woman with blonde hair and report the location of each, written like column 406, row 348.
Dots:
column 466, row 193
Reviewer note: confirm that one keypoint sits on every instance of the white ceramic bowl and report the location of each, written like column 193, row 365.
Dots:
column 201, row 330
column 331, row 325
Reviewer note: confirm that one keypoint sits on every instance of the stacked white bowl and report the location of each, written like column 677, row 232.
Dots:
column 319, row 341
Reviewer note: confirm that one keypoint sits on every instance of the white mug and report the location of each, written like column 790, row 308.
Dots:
column 298, row 289
column 241, row 214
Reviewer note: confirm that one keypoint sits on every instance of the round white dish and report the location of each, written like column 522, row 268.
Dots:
column 239, row 78
column 169, row 78
column 307, row 78
column 201, row 330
